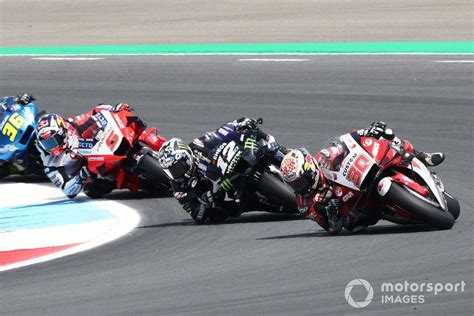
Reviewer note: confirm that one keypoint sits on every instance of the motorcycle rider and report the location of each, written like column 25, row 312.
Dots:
column 58, row 143
column 195, row 176
column 314, row 193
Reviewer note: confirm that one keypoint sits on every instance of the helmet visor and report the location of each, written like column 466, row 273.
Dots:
column 52, row 142
column 176, row 171
column 302, row 184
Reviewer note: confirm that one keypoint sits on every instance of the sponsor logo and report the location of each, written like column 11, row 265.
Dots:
column 338, row 191
column 101, row 119
column 87, row 144
column 218, row 151
column 222, row 131
column 96, row 158
column 348, row 164
column 367, row 142
column 375, row 149
column 7, row 148
column 347, row 196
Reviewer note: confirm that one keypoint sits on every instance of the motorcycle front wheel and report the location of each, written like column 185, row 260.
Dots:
column 421, row 210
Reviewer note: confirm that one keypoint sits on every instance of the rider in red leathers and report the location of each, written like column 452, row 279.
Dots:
column 58, row 143
column 314, row 193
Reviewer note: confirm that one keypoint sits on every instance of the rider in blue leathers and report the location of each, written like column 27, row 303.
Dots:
column 194, row 172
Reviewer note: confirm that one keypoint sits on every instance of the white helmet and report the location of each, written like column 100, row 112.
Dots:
column 300, row 170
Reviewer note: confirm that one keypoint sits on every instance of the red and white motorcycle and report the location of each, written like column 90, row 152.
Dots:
column 123, row 152
column 376, row 179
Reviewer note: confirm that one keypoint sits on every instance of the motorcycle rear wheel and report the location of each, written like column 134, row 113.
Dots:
column 274, row 189
column 421, row 210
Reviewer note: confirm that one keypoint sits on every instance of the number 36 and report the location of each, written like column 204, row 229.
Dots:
column 12, row 126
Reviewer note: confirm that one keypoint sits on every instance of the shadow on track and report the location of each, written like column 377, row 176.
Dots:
column 375, row 230
column 243, row 219
column 25, row 179
column 123, row 195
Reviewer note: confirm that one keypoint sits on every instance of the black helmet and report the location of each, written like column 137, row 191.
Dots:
column 177, row 159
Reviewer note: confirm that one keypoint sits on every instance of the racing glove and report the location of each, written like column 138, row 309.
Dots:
column 379, row 129
column 84, row 173
column 207, row 199
column 245, row 124
column 121, row 107
column 25, row 98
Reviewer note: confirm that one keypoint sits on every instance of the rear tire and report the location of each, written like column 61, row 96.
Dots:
column 421, row 210
column 276, row 190
column 453, row 205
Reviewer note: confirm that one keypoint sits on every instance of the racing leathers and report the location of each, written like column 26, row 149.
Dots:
column 68, row 171
column 204, row 195
column 321, row 205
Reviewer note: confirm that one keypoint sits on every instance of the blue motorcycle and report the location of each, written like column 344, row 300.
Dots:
column 18, row 153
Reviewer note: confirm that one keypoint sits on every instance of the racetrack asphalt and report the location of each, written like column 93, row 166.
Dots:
column 258, row 263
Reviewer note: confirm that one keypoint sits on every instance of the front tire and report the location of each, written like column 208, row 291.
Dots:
column 151, row 169
column 453, row 205
column 421, row 210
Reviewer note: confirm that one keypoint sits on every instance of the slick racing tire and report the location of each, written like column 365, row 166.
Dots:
column 274, row 189
column 424, row 212
column 453, row 205
column 151, row 169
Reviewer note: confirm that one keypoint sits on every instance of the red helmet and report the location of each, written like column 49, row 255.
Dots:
column 51, row 134
column 300, row 171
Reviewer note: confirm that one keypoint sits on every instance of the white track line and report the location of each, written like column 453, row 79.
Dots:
column 273, row 59
column 237, row 54
column 67, row 58
column 454, row 61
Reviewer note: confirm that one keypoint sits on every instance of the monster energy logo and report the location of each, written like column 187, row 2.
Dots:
column 226, row 185
column 182, row 146
column 250, row 144
column 257, row 175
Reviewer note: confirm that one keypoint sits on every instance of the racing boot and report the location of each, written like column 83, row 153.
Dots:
column 429, row 159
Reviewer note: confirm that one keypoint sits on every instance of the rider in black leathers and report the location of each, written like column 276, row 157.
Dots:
column 196, row 172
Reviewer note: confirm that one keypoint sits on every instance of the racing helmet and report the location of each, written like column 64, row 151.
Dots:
column 51, row 134
column 177, row 159
column 300, row 171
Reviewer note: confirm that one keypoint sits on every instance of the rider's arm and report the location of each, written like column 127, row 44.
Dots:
column 321, row 208
column 82, row 118
column 311, row 210
column 70, row 184
column 188, row 199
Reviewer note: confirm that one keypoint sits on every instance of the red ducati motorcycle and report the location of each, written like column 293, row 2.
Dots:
column 123, row 155
column 375, row 179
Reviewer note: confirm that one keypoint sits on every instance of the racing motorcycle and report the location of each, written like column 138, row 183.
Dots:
column 376, row 179
column 122, row 154
column 18, row 153
column 245, row 174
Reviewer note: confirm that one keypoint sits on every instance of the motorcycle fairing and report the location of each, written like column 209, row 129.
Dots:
column 17, row 124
